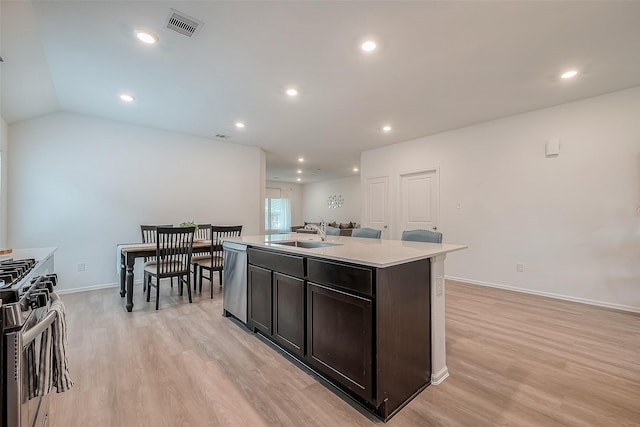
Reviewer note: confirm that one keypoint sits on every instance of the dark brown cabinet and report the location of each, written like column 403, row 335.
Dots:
column 277, row 298
column 367, row 330
column 340, row 337
column 260, row 297
column 288, row 312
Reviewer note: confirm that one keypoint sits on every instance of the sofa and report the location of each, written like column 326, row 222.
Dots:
column 345, row 228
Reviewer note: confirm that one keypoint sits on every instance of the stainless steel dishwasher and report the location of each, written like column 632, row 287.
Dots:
column 235, row 280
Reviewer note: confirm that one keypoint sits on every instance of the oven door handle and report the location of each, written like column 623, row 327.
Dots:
column 39, row 328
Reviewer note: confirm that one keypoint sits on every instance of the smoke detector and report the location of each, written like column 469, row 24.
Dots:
column 182, row 24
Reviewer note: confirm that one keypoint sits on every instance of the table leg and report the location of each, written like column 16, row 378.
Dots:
column 129, row 279
column 122, row 274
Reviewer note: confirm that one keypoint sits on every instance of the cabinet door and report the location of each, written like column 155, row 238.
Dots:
column 339, row 337
column 260, row 294
column 288, row 312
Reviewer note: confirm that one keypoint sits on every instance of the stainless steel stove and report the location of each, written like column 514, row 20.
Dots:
column 26, row 284
column 13, row 271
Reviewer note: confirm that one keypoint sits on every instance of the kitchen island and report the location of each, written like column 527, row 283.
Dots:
column 366, row 314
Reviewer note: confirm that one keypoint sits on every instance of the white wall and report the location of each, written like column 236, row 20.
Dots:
column 4, row 143
column 84, row 185
column 572, row 220
column 294, row 193
column 315, row 195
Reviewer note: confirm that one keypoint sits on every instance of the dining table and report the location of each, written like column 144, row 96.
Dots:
column 129, row 252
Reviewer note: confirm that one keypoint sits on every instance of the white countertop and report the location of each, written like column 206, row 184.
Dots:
column 36, row 253
column 44, row 262
column 371, row 252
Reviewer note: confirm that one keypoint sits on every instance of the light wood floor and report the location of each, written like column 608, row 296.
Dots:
column 514, row 359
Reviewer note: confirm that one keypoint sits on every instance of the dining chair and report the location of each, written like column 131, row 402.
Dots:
column 214, row 262
column 149, row 236
column 149, row 232
column 367, row 232
column 332, row 231
column 174, row 246
column 203, row 232
column 427, row 236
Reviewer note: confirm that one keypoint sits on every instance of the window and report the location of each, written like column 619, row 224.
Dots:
column 277, row 212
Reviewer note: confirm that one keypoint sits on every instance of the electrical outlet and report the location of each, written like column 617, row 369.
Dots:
column 81, row 267
column 520, row 267
column 439, row 286
column 459, row 205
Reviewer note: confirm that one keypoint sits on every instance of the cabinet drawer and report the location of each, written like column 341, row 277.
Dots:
column 287, row 264
column 344, row 276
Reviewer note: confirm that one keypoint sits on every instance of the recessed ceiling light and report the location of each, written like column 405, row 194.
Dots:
column 301, row 159
column 240, row 125
column 292, row 92
column 126, row 97
column 298, row 179
column 569, row 74
column 299, row 171
column 386, row 128
column 146, row 37
column 368, row 46
column 355, row 169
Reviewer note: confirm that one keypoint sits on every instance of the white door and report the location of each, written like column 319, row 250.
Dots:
column 377, row 205
column 419, row 201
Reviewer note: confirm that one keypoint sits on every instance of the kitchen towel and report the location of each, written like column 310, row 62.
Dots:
column 54, row 365
column 32, row 373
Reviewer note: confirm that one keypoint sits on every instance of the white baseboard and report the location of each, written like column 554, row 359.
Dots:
column 91, row 288
column 548, row 294
column 457, row 279
column 438, row 377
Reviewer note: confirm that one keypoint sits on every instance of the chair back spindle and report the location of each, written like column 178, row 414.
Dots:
column 218, row 235
column 215, row 262
column 149, row 236
column 149, row 232
column 173, row 250
column 203, row 232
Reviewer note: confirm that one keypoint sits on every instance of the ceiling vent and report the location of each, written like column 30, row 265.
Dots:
column 182, row 24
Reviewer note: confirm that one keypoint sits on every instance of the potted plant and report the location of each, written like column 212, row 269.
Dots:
column 190, row 224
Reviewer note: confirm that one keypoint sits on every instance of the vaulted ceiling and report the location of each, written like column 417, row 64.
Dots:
column 437, row 66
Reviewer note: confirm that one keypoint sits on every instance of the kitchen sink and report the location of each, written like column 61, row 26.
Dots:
column 308, row 244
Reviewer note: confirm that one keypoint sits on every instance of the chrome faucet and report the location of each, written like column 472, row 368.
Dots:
column 322, row 230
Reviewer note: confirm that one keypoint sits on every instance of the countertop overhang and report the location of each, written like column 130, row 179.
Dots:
column 38, row 254
column 371, row 252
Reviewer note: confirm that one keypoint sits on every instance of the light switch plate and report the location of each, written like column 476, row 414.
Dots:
column 552, row 147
